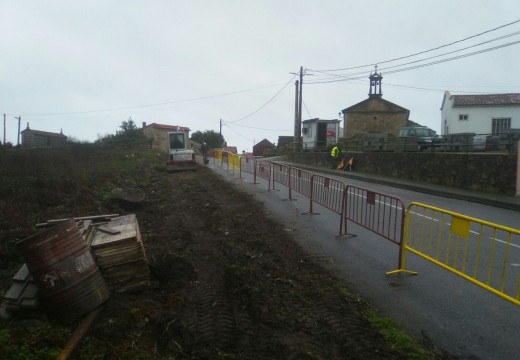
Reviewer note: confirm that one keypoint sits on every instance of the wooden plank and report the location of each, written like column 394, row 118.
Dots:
column 108, row 252
column 14, row 292
column 94, row 218
column 29, row 303
column 30, row 291
column 22, row 274
column 79, row 333
column 126, row 233
column 108, row 229
column 135, row 268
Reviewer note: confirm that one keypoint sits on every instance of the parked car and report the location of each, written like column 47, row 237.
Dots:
column 485, row 142
column 421, row 135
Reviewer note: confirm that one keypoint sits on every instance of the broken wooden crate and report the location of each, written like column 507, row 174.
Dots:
column 23, row 292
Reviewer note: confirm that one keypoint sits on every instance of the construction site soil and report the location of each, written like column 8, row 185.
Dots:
column 227, row 281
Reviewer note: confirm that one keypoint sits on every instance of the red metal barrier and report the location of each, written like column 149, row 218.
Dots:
column 379, row 213
column 300, row 181
column 263, row 170
column 247, row 165
column 282, row 175
column 328, row 193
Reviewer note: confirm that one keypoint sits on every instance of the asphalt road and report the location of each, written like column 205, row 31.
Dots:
column 435, row 305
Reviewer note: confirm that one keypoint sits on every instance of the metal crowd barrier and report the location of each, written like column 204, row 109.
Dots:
column 481, row 252
column 282, row 175
column 234, row 162
column 247, row 165
column 327, row 192
column 380, row 213
column 300, row 181
column 263, row 170
column 217, row 156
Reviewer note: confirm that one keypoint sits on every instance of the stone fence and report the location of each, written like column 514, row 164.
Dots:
column 494, row 173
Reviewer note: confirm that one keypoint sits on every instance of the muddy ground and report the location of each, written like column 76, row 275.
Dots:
column 227, row 281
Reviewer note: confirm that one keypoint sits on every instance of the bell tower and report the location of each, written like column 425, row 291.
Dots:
column 375, row 84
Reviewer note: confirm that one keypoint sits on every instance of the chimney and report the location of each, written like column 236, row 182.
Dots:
column 144, row 124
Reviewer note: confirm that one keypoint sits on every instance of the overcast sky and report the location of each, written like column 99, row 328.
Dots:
column 83, row 67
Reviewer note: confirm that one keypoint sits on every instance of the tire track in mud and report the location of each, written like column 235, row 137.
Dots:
column 214, row 321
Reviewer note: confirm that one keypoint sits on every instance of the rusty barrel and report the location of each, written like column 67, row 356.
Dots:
column 62, row 266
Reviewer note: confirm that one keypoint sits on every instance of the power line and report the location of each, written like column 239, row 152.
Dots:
column 305, row 106
column 239, row 134
column 424, row 65
column 455, row 57
column 420, row 60
column 425, row 51
column 257, row 128
column 264, row 105
column 452, row 52
column 154, row 104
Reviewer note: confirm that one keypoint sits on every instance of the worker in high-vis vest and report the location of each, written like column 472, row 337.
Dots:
column 334, row 155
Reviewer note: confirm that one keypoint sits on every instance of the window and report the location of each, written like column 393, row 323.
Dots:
column 500, row 124
column 463, row 117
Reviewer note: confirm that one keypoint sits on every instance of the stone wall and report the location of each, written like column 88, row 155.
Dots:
column 490, row 173
column 366, row 123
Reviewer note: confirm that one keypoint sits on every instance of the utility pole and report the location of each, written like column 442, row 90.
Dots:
column 4, row 128
column 223, row 142
column 300, row 110
column 19, row 121
column 296, row 117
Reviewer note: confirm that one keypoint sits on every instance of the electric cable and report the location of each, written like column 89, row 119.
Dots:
column 425, row 51
column 201, row 98
column 264, row 105
column 424, row 65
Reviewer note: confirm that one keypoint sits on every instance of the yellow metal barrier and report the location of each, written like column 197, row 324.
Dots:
column 481, row 252
column 234, row 161
column 217, row 155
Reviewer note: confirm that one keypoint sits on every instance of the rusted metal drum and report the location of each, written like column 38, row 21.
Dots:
column 62, row 265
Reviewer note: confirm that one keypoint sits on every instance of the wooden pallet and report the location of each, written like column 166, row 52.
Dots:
column 119, row 252
column 117, row 246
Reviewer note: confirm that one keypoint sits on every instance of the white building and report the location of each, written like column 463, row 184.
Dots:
column 479, row 114
column 320, row 134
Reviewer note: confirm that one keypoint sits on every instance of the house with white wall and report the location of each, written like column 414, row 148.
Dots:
column 319, row 133
column 480, row 114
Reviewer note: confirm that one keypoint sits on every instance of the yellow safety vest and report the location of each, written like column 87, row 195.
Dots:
column 335, row 152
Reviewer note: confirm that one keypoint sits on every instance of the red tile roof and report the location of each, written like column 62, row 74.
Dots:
column 486, row 100
column 168, row 127
column 231, row 149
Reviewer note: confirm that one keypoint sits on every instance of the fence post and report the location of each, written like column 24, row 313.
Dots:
column 312, row 193
column 270, row 176
column 254, row 171
column 289, row 181
column 517, row 168
column 343, row 210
